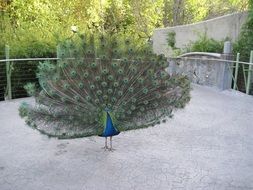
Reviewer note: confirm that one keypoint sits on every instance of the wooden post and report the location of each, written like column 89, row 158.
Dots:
column 8, row 72
column 58, row 53
column 249, row 73
column 236, row 70
column 226, row 74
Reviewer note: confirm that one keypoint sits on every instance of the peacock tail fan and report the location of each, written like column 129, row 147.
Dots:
column 95, row 73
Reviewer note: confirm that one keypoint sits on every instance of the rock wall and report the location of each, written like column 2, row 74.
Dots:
column 217, row 28
column 205, row 70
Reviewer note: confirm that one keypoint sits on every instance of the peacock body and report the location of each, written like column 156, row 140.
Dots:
column 102, row 85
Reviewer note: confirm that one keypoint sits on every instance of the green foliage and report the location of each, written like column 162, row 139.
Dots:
column 33, row 28
column 132, row 84
column 171, row 39
column 206, row 44
column 245, row 42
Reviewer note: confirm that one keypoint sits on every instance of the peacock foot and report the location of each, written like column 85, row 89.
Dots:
column 111, row 149
column 105, row 148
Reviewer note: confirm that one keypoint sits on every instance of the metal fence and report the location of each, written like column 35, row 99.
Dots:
column 15, row 73
column 240, row 72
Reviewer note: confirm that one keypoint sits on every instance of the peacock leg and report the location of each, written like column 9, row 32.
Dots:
column 106, row 146
column 111, row 149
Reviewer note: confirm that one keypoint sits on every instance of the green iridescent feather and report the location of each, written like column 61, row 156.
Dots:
column 95, row 73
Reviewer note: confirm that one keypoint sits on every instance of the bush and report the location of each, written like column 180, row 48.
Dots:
column 206, row 44
column 171, row 39
column 245, row 42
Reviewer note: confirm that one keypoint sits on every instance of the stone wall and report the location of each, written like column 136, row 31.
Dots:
column 217, row 28
column 204, row 69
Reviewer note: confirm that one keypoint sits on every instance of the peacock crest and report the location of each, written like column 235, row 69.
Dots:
column 100, row 75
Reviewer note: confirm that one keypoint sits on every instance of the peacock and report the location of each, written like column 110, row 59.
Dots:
column 103, row 85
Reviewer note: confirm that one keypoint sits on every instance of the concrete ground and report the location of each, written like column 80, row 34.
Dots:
column 208, row 145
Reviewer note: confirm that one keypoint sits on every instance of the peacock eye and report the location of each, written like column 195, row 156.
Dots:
column 133, row 69
column 92, row 86
column 145, row 90
column 125, row 80
column 110, row 77
column 103, row 57
column 73, row 74
column 158, row 95
column 104, row 84
column 140, row 80
column 105, row 71
column 150, row 71
column 93, row 65
column 77, row 98
column 155, row 82
column 129, row 112
column 88, row 98
column 115, row 84
column 120, row 71
column 109, row 91
column 133, row 100
column 85, row 74
column 125, row 60
column 133, row 107
column 115, row 64
column 163, row 74
column 81, row 85
column 120, row 93
column 131, row 89
column 56, row 78
column 66, row 86
column 97, row 78
column 99, row 92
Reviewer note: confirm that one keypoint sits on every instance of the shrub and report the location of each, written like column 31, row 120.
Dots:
column 171, row 39
column 245, row 42
column 206, row 44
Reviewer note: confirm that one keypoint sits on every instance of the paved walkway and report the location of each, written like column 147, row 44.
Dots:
column 208, row 145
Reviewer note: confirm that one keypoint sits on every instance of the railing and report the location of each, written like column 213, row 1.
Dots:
column 15, row 73
column 235, row 67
